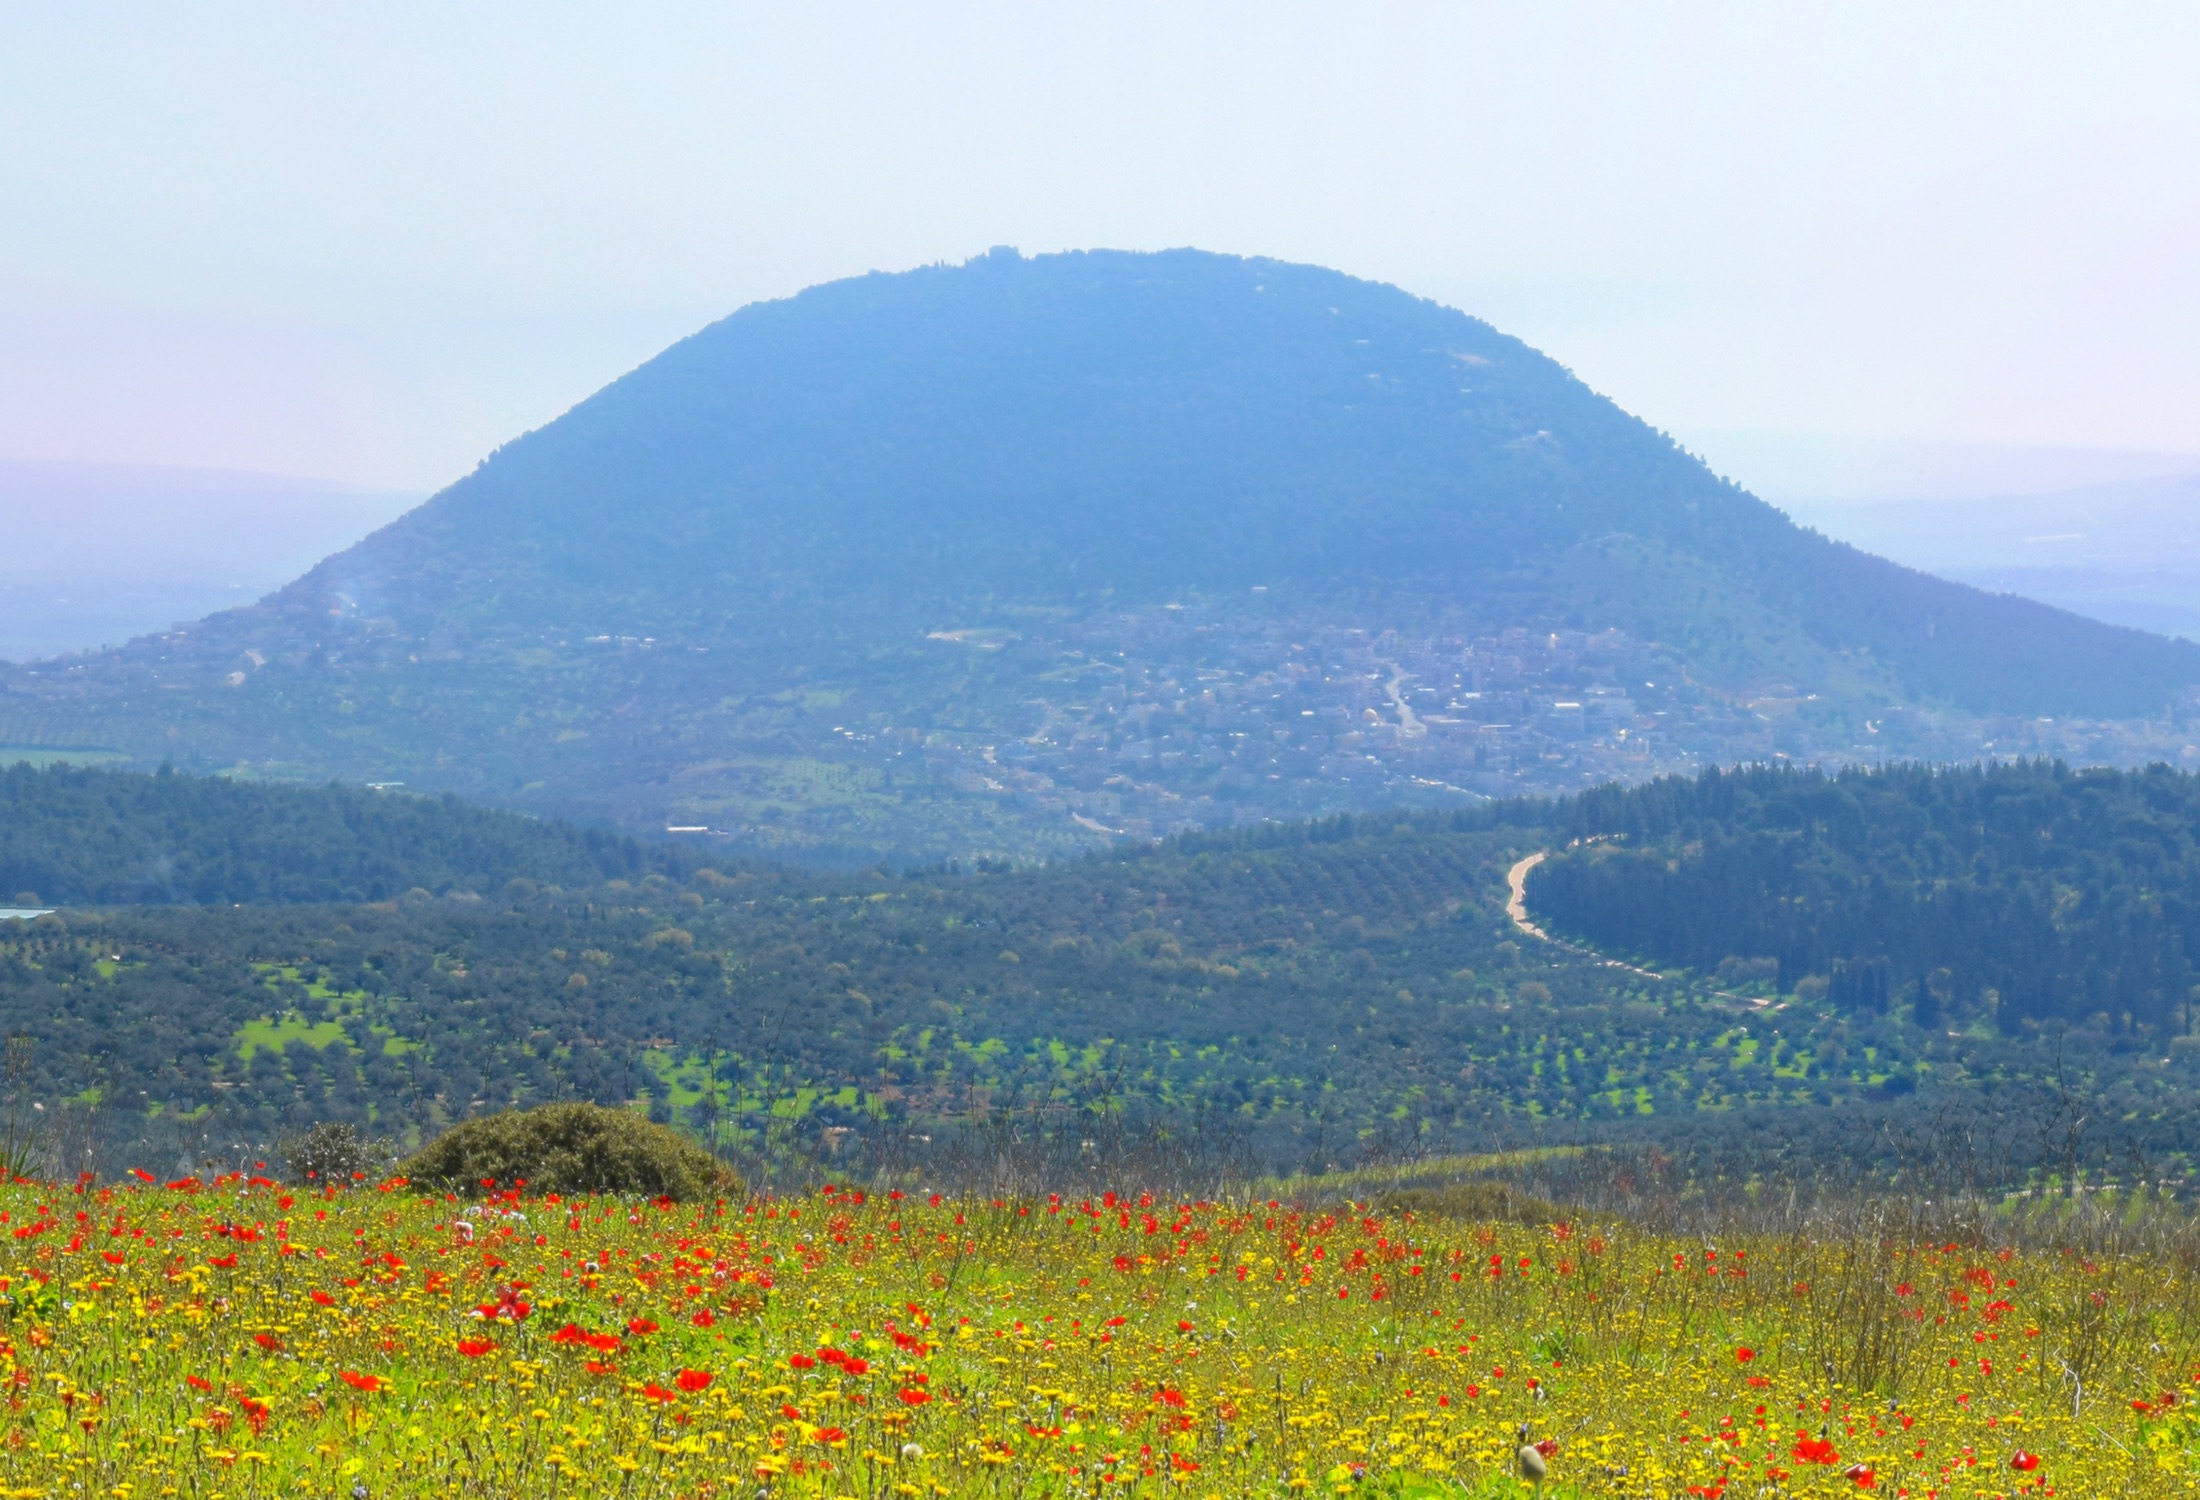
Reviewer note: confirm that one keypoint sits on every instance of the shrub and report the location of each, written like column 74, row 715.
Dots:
column 571, row 1148
column 333, row 1153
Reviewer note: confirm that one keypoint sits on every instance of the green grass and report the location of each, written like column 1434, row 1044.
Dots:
column 1437, row 1166
column 279, row 1032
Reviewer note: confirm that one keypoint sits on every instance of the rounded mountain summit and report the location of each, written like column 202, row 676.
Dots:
column 830, row 540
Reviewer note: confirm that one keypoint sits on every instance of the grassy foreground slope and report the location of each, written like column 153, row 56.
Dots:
column 229, row 1338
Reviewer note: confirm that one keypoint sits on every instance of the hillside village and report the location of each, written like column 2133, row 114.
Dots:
column 1165, row 720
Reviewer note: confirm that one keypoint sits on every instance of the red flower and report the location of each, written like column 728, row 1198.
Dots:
column 829, row 1435
column 640, row 1326
column 915, row 1398
column 2023, row 1462
column 656, row 1392
column 693, row 1380
column 112, row 1257
column 223, row 1262
column 267, row 1341
column 475, row 1348
column 1861, row 1476
column 1745, row 1354
column 1810, row 1450
column 801, row 1362
column 596, row 1367
column 507, row 1307
column 367, row 1383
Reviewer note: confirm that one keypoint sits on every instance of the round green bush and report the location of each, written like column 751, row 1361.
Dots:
column 570, row 1149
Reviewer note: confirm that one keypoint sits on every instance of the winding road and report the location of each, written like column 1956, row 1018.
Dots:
column 1516, row 907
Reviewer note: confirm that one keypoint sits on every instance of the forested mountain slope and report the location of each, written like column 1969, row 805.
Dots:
column 809, row 575
column 2023, row 895
column 80, row 837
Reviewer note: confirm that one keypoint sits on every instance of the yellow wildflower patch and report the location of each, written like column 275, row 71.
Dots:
column 234, row 1338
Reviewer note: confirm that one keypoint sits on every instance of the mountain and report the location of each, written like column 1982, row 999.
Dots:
column 1023, row 552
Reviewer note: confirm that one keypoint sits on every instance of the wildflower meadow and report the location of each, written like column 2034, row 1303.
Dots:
column 234, row 1337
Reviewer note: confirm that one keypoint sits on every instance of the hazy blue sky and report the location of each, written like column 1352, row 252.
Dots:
column 370, row 242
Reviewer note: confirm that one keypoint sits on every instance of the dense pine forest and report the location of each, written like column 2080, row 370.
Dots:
column 84, row 837
column 2022, row 897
